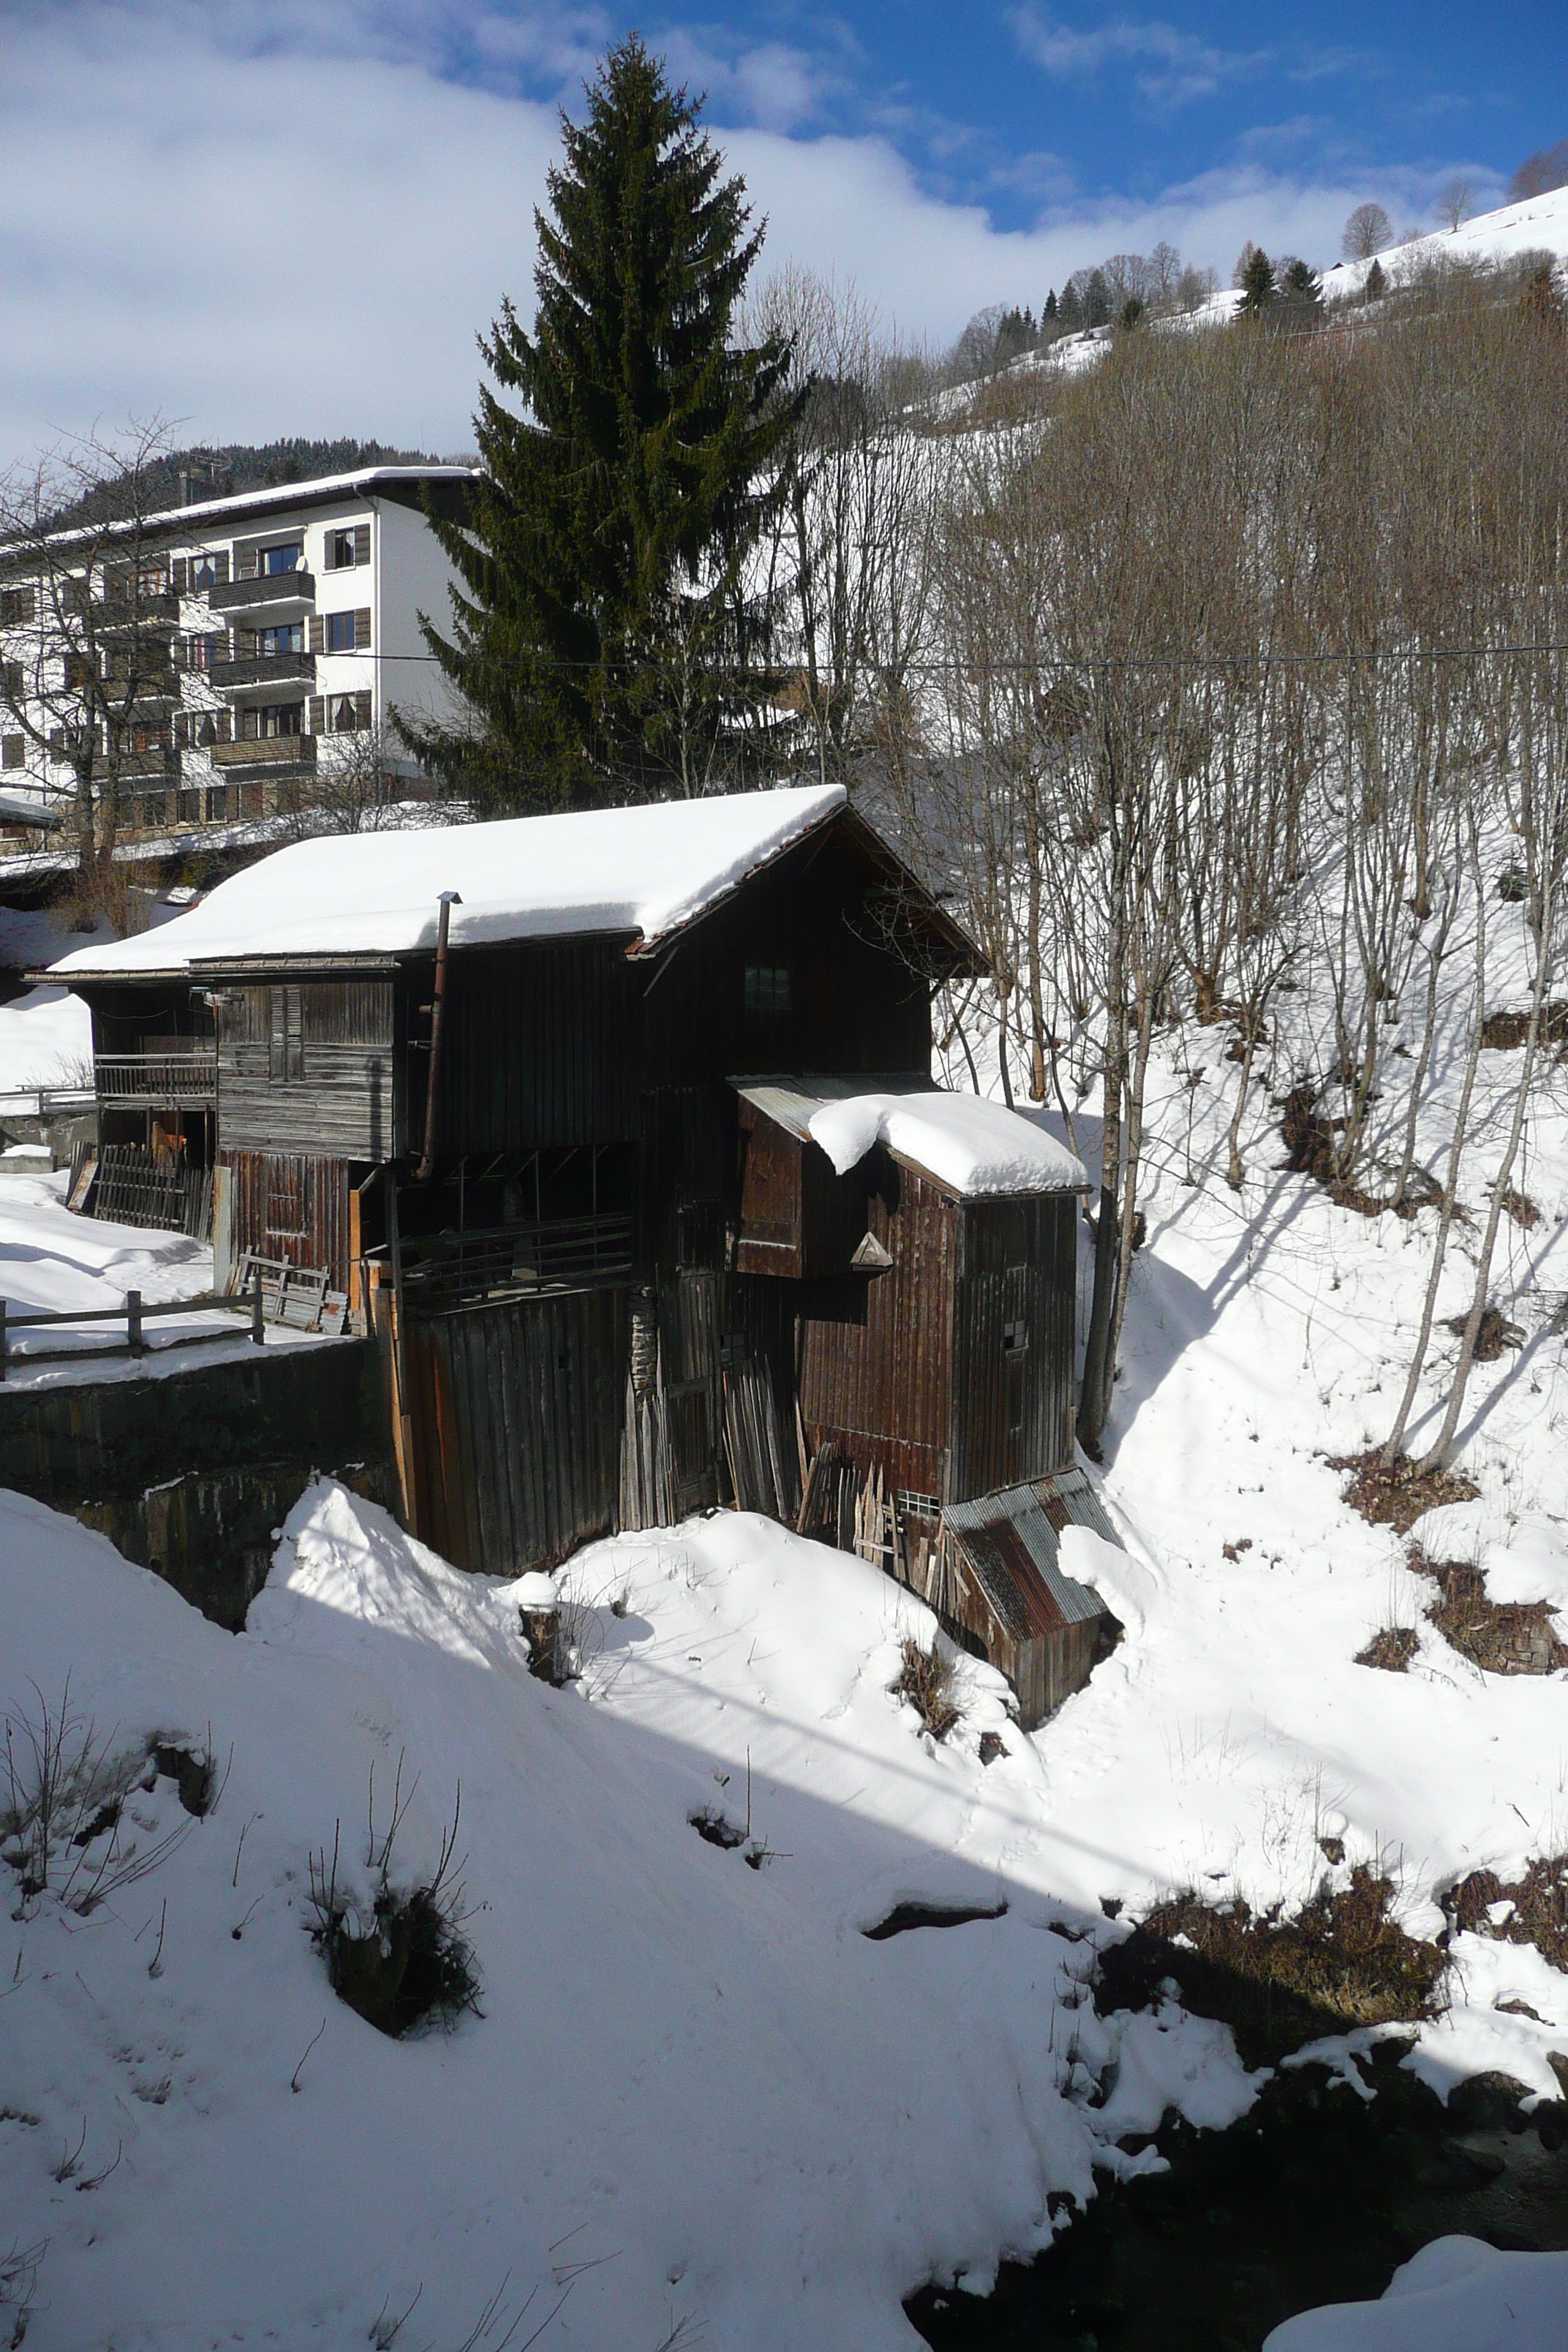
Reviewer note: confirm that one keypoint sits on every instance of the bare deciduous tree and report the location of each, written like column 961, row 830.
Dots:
column 1368, row 230
column 88, row 624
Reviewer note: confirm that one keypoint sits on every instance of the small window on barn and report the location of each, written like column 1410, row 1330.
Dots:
column 1016, row 1338
column 767, row 988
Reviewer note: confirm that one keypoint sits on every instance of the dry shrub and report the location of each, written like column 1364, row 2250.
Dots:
column 1505, row 1030
column 1308, row 1137
column 925, row 1679
column 1395, row 1494
column 1521, row 1209
column 1494, row 1334
column 102, row 892
column 1277, row 1981
column 64, row 1795
column 1540, row 1914
column 1392, row 1649
column 398, row 1958
column 1502, row 1637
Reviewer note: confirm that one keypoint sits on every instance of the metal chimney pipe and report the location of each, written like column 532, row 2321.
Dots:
column 449, row 899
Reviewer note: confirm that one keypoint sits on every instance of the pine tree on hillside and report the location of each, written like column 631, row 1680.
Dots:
column 604, row 635
column 1255, row 276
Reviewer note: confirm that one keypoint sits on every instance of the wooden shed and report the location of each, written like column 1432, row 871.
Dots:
column 478, row 1085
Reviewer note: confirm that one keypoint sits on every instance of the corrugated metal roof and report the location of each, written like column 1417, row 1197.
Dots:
column 791, row 1102
column 1012, row 1541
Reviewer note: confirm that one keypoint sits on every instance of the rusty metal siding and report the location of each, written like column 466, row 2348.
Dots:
column 876, row 1351
column 1043, row 1629
column 538, row 1048
column 1014, row 1299
column 516, row 1411
column 307, row 1066
column 291, row 1205
column 770, row 1236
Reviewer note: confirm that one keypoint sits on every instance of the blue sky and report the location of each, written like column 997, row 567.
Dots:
column 265, row 216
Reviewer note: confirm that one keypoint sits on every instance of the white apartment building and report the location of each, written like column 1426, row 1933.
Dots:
column 282, row 627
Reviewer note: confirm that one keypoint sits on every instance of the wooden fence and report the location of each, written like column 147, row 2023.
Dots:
column 131, row 1186
column 133, row 1313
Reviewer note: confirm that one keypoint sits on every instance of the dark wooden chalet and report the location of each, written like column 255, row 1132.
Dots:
column 532, row 1103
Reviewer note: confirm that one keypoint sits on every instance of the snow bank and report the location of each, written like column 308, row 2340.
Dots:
column 697, row 2091
column 45, row 1040
column 1458, row 2294
column 969, row 1144
column 640, row 870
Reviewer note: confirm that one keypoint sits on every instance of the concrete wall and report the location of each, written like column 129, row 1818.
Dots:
column 189, row 1473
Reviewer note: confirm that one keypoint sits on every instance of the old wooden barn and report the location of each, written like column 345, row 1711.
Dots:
column 617, row 1132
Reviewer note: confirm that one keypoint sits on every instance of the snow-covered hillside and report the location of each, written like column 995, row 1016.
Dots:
column 1539, row 225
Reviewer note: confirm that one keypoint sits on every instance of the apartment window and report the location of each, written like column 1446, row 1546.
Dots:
column 345, row 715
column 291, row 557
column 149, row 738
column 199, row 653
column 287, row 637
column 347, row 549
column 13, row 681
column 208, row 572
column 767, row 988
column 216, row 804
column 16, row 605
column 340, row 633
column 153, row 807
column 280, row 719
column 79, row 672
column 13, row 751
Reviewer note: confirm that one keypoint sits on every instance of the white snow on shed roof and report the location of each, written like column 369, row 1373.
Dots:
column 969, row 1145
column 645, row 871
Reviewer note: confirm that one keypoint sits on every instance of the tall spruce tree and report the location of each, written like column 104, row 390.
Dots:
column 604, row 635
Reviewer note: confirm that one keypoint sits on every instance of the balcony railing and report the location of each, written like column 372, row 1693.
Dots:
column 270, row 589
column 157, row 1077
column 266, row 751
column 445, row 1270
column 262, row 669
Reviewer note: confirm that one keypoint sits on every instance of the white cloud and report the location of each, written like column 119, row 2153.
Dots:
column 1184, row 66
column 268, row 236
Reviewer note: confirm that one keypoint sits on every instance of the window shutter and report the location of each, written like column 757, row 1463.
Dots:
column 362, row 542
column 221, row 726
column 14, row 750
column 249, row 727
column 182, row 730
column 361, row 630
column 318, row 634
column 245, row 645
column 177, row 575
column 14, row 682
column 318, row 708
column 220, row 569
column 244, row 559
column 363, row 707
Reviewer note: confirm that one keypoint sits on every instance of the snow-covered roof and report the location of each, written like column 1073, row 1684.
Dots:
column 644, row 872
column 198, row 519
column 966, row 1143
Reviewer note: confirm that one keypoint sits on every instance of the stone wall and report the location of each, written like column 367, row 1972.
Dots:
column 190, row 1473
